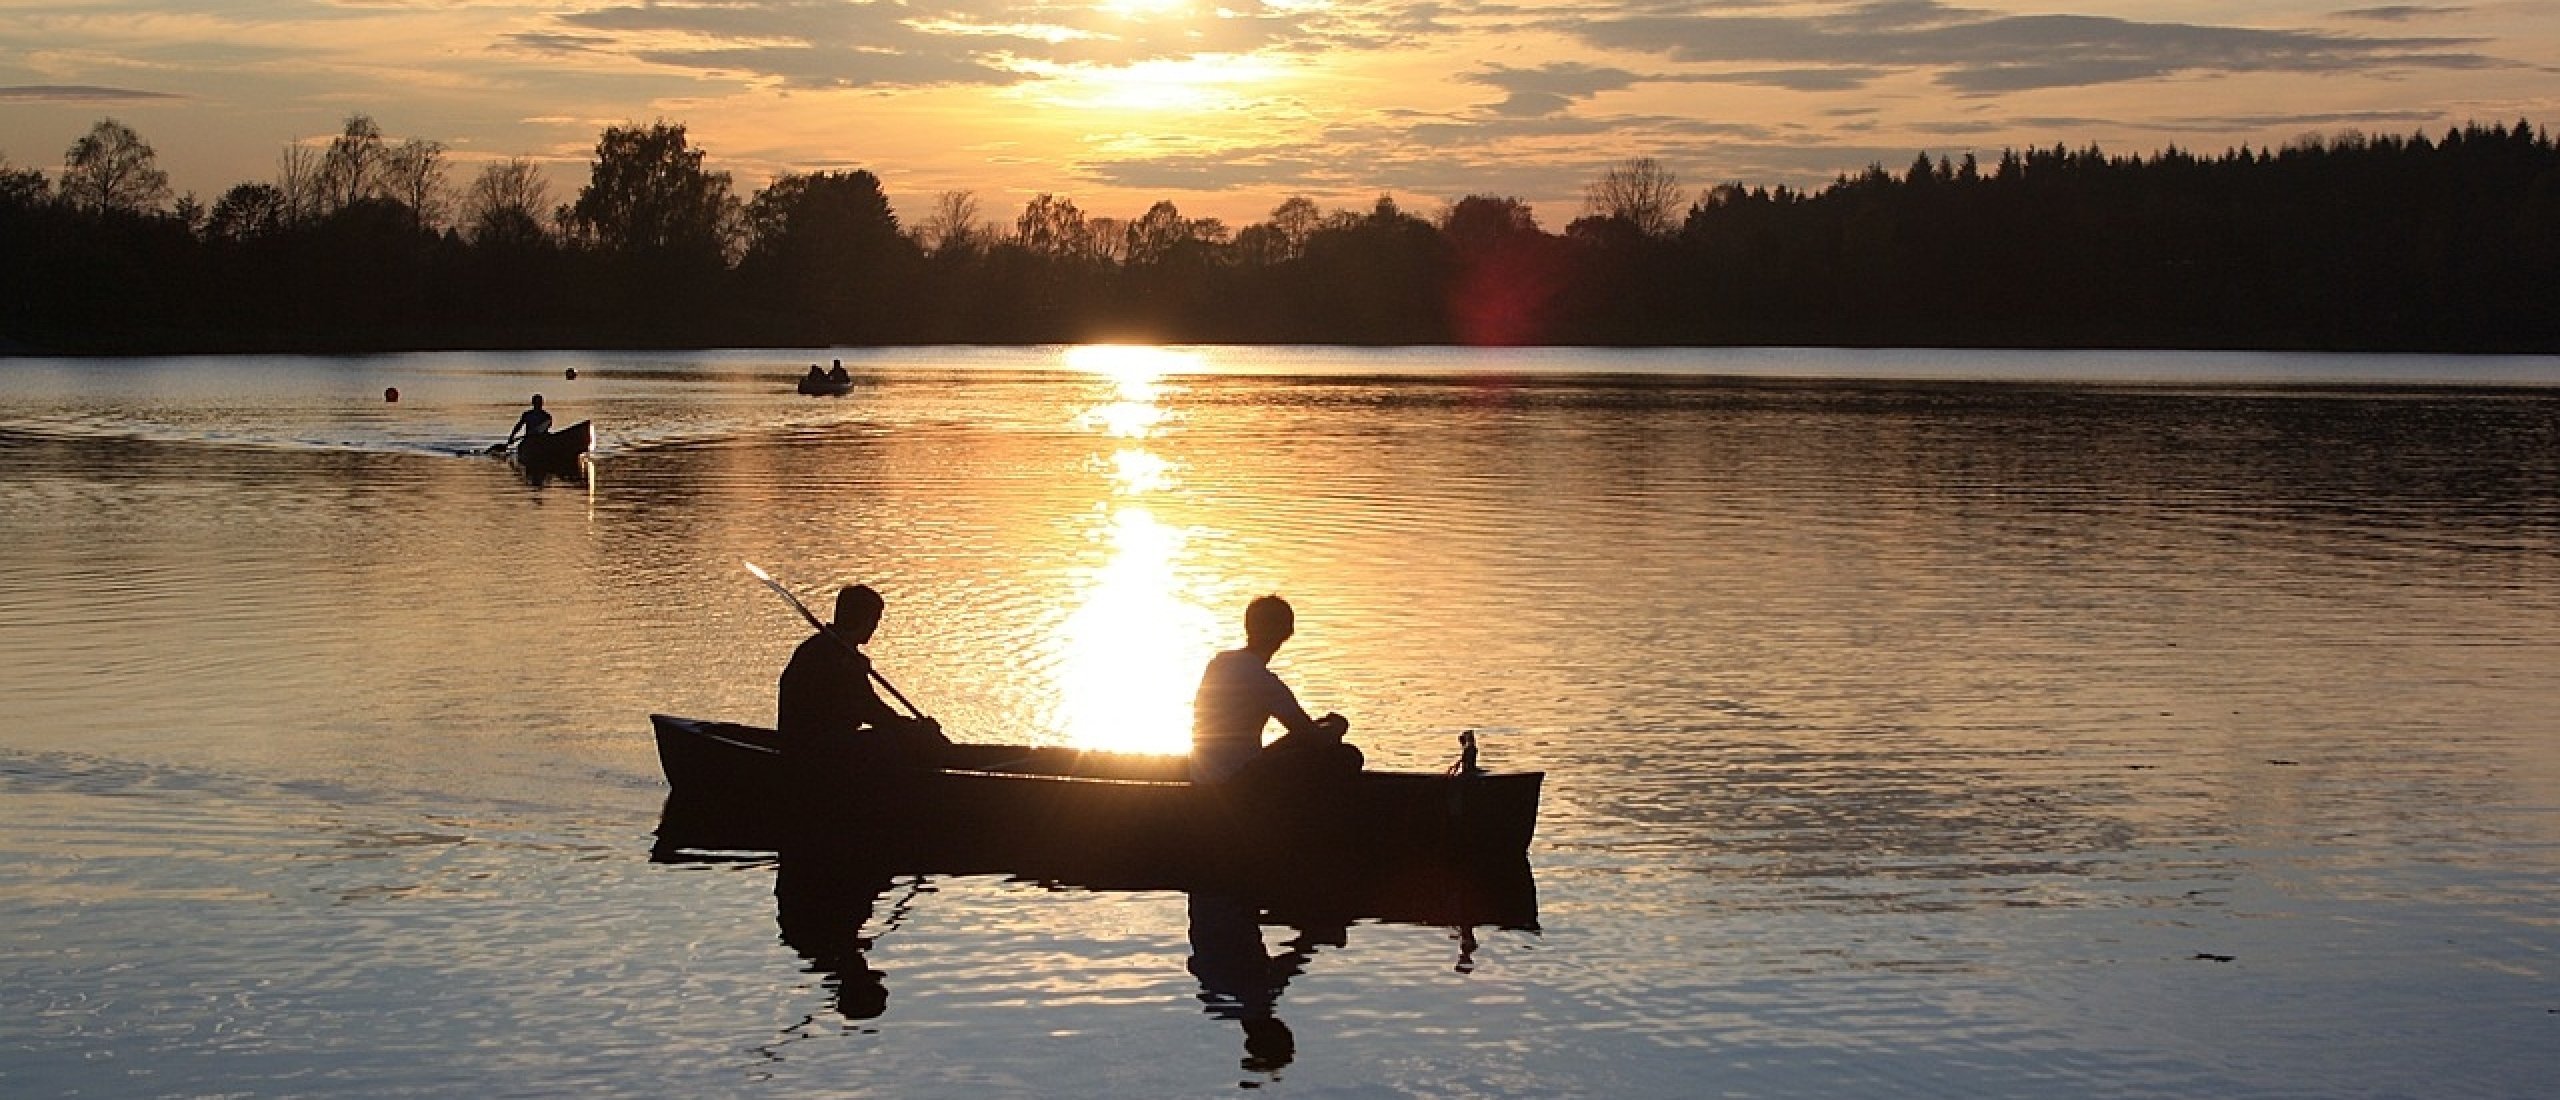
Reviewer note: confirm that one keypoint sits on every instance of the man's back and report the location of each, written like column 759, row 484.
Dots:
column 1238, row 695
column 826, row 691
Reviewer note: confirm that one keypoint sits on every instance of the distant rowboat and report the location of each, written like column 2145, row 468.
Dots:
column 555, row 450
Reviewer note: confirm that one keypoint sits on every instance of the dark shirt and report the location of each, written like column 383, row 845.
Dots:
column 826, row 691
column 535, row 422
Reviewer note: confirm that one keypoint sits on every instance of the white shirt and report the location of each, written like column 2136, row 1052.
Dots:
column 1238, row 695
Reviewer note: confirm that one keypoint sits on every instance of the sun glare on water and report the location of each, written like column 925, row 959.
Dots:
column 1133, row 649
column 1130, row 653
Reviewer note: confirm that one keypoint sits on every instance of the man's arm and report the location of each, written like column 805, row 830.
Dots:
column 1282, row 704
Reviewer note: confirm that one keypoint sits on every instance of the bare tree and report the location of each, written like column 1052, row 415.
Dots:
column 1295, row 220
column 1640, row 192
column 1105, row 239
column 413, row 176
column 507, row 202
column 352, row 170
column 1051, row 226
column 953, row 226
column 111, row 168
column 298, row 182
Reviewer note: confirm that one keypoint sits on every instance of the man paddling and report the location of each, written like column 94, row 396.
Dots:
column 1239, row 695
column 535, row 421
column 826, row 699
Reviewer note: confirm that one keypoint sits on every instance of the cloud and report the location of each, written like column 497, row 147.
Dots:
column 2223, row 124
column 811, row 67
column 1549, row 89
column 1983, row 53
column 925, row 43
column 77, row 93
column 2400, row 13
column 1839, row 79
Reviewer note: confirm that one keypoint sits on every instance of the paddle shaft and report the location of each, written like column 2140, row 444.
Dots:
column 830, row 631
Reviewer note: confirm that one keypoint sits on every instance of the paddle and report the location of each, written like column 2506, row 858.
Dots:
column 830, row 631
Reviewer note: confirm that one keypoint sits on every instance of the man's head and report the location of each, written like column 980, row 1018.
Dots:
column 1268, row 621
column 857, row 612
column 537, row 401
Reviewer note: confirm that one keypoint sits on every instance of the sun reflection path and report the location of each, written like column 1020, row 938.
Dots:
column 1133, row 649
column 1130, row 654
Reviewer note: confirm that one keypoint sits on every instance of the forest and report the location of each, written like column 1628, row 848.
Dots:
column 2340, row 243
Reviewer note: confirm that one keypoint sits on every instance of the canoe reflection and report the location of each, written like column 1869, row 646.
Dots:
column 833, row 900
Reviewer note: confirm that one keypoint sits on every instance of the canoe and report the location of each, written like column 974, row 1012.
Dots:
column 825, row 389
column 1096, row 816
column 556, row 450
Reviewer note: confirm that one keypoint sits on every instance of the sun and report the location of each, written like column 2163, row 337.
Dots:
column 1202, row 82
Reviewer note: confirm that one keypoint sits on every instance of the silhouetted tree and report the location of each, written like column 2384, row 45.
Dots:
column 247, row 212
column 1640, row 192
column 953, row 228
column 21, row 187
column 825, row 249
column 2359, row 241
column 111, row 169
column 1053, row 227
column 648, row 192
column 507, row 204
column 413, row 176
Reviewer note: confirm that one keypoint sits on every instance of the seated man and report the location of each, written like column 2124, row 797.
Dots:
column 1239, row 694
column 836, row 375
column 826, row 701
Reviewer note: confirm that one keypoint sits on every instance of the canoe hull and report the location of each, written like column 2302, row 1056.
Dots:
column 1090, row 816
column 556, row 450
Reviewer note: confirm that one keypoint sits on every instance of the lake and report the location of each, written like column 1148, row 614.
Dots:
column 1915, row 723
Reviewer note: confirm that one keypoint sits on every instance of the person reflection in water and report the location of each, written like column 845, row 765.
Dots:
column 822, row 901
column 1241, row 981
column 825, row 698
column 1239, row 695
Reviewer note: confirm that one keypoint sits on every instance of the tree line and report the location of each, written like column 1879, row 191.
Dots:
column 2350, row 242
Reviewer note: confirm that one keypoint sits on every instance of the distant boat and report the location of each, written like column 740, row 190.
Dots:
column 825, row 387
column 1073, row 813
column 558, row 450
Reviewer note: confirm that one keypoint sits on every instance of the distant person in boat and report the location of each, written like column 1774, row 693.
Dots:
column 1239, row 695
column 535, row 421
column 826, row 693
column 814, row 378
column 837, row 376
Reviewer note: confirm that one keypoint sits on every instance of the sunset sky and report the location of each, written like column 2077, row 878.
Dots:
column 1228, row 107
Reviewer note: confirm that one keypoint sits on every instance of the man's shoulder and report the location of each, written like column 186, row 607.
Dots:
column 819, row 648
column 1238, row 663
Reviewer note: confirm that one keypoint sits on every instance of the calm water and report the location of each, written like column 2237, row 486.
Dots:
column 1935, row 724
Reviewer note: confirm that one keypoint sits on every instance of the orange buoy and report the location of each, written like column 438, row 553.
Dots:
column 391, row 393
